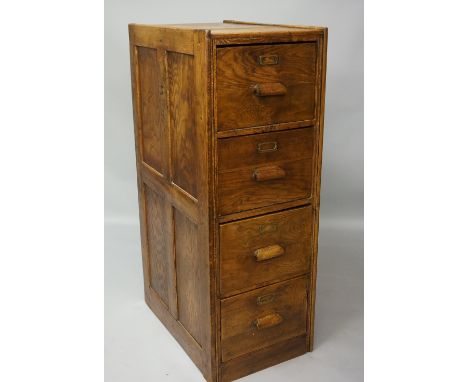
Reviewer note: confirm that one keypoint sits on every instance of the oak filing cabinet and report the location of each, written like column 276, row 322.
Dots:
column 228, row 134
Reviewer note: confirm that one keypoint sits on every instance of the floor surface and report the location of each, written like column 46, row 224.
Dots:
column 138, row 348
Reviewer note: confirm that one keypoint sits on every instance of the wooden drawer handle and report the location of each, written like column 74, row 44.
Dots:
column 269, row 252
column 273, row 89
column 268, row 321
column 262, row 174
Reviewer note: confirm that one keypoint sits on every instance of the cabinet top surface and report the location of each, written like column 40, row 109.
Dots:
column 228, row 27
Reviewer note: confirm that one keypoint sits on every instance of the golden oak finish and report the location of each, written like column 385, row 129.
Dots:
column 265, row 84
column 247, row 325
column 264, row 249
column 228, row 134
column 262, row 149
column 254, row 187
column 262, row 358
column 270, row 252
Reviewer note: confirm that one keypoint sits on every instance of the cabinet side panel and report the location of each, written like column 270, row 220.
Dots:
column 185, row 151
column 172, row 122
column 153, row 109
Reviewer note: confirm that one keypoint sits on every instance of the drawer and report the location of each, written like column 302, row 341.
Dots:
column 258, row 149
column 263, row 317
column 265, row 84
column 263, row 358
column 264, row 249
column 259, row 186
column 263, row 169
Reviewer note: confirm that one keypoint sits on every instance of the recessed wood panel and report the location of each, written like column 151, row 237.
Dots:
column 159, row 245
column 189, row 275
column 185, row 169
column 154, row 122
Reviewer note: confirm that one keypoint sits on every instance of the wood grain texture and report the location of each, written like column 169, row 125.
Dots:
column 185, row 156
column 247, row 325
column 316, row 189
column 239, row 268
column 177, row 197
column 160, row 249
column 191, row 325
column 263, row 210
column 268, row 321
column 238, row 66
column 166, row 39
column 254, row 111
column 206, row 235
column 270, row 89
column 229, row 187
column 241, row 38
column 257, row 150
column 230, row 27
column 238, row 190
column 257, row 24
column 267, row 173
column 189, row 291
column 263, row 358
column 247, row 30
column 269, row 252
column 264, row 128
column 252, row 93
column 154, row 123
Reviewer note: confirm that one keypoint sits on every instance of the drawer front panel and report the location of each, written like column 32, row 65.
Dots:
column 264, row 249
column 263, row 317
column 258, row 149
column 259, row 186
column 265, row 84
column 266, row 357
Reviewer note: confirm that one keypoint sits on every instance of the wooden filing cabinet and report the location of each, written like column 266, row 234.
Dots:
column 228, row 134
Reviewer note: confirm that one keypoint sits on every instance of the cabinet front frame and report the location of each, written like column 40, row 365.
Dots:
column 320, row 37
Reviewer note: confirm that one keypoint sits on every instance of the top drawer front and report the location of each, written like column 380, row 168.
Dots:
column 265, row 84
